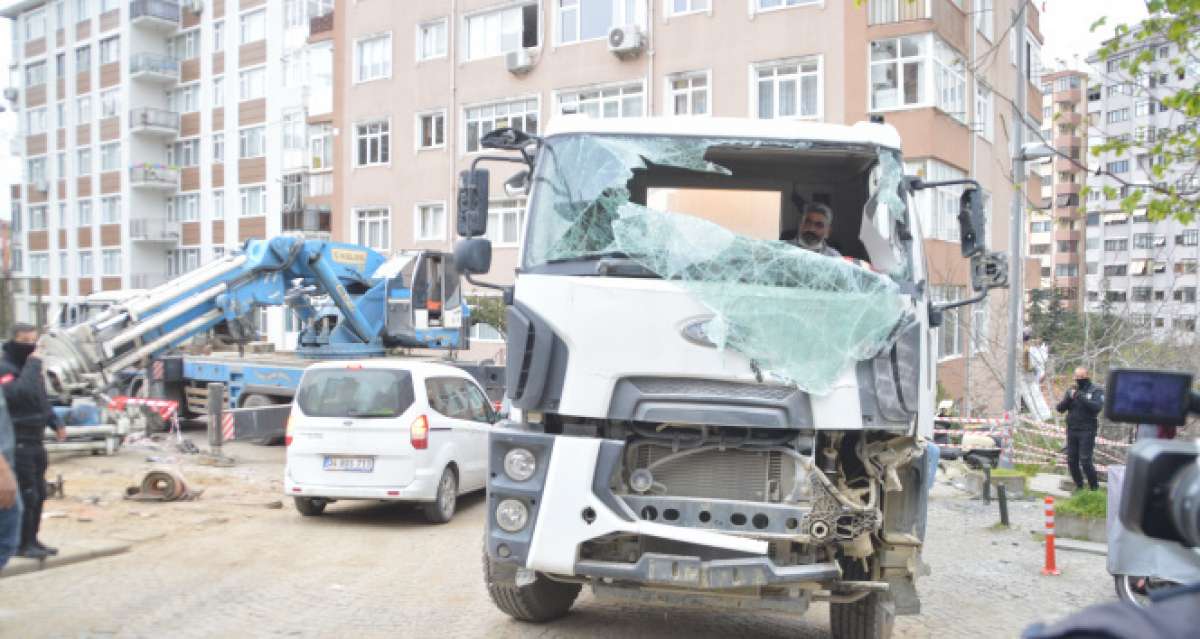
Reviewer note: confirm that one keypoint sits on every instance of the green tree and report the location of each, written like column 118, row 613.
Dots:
column 489, row 310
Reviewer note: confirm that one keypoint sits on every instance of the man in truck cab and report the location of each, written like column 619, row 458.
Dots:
column 815, row 223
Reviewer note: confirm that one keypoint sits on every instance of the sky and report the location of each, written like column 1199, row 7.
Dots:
column 1064, row 25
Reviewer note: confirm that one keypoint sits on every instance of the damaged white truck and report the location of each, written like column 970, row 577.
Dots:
column 705, row 413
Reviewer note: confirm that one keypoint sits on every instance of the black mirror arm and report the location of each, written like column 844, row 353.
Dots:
column 917, row 184
column 507, row 291
column 495, row 158
column 945, row 306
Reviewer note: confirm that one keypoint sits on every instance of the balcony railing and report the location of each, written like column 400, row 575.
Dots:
column 149, row 119
column 163, row 10
column 154, row 65
column 320, row 24
column 889, row 11
column 153, row 229
column 154, row 176
column 307, row 220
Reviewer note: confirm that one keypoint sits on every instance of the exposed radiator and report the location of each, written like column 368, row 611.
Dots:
column 736, row 474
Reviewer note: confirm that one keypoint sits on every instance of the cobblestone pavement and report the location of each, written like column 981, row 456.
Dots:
column 225, row 565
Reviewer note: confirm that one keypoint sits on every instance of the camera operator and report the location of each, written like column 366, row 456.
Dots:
column 1082, row 404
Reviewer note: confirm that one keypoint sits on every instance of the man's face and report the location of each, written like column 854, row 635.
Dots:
column 1081, row 373
column 26, row 337
column 814, row 227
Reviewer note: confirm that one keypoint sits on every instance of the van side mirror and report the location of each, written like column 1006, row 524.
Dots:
column 473, row 202
column 971, row 222
column 474, row 255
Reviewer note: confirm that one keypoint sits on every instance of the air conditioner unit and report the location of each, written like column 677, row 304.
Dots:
column 626, row 41
column 519, row 62
column 11, row 93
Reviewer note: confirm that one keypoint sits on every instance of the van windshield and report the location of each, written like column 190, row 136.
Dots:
column 359, row 393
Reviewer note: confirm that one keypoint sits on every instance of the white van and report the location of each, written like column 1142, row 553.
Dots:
column 387, row 429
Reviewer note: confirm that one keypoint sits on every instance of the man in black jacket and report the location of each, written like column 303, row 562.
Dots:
column 29, row 408
column 1082, row 404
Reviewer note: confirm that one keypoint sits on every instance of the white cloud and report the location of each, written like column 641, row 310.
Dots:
column 1065, row 25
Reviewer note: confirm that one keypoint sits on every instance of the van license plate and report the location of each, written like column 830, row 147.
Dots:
column 351, row 464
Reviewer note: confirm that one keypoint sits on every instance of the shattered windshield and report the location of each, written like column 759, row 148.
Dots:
column 721, row 216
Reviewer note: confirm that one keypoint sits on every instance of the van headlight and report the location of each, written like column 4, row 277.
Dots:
column 511, row 515
column 519, row 464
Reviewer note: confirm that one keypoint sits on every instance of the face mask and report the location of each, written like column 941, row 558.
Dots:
column 19, row 351
column 1082, row 382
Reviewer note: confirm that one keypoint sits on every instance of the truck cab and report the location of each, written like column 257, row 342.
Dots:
column 703, row 412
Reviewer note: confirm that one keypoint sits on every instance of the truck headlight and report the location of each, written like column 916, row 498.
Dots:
column 519, row 464
column 511, row 515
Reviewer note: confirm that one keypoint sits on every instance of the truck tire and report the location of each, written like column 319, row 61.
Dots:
column 255, row 400
column 871, row 617
column 541, row 601
column 310, row 506
column 441, row 509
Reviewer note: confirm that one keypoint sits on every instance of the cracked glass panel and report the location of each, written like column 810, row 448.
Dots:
column 710, row 214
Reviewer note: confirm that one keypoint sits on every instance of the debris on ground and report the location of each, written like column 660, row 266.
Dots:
column 162, row 484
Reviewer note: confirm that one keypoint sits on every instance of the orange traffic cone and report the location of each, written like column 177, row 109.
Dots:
column 1050, row 568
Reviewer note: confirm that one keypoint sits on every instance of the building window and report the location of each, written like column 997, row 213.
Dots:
column 35, row 25
column 218, row 92
column 294, row 130
column 431, row 39
column 110, row 50
column 110, row 210
column 218, row 148
column 218, row 33
column 253, row 26
column 85, row 213
column 83, row 109
column 1119, row 115
column 85, row 264
column 83, row 59
column 984, row 117
column 494, row 33
column 626, row 101
column 110, row 156
column 950, row 333
column 1066, row 270
column 218, row 205
column 254, row 201
column 372, row 143
column 83, row 10
column 83, row 161
column 110, row 103
column 184, row 208
column 37, row 218
column 431, row 222
column 1185, row 294
column 35, row 170
column 35, row 121
column 184, row 46
column 252, row 84
column 185, row 153
column 581, row 20
column 374, row 228
column 431, row 130
column 1116, row 245
column 938, row 205
column 35, row 74
column 111, row 261
column 680, row 7
column 1120, row 166
column 788, row 89
column 687, row 93
column 1188, row 238
column 321, row 148
column 518, row 114
column 984, row 14
column 15, row 260
column 899, row 75
column 252, row 142
column 373, row 58
column 505, row 221
column 39, row 264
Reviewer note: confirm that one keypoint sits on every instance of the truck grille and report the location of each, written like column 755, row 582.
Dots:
column 742, row 475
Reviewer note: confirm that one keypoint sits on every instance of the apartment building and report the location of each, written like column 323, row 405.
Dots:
column 422, row 80
column 1056, row 229
column 1143, row 269
column 157, row 135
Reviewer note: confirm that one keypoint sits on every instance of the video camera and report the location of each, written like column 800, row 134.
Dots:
column 1162, row 481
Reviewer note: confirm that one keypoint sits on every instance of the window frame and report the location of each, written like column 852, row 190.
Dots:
column 756, row 81
column 106, row 46
column 384, row 221
column 669, row 8
column 358, row 57
column 379, row 136
column 245, row 191
column 419, row 54
column 602, row 99
column 256, row 13
column 670, row 92
column 259, row 72
column 464, row 47
column 244, row 136
column 757, row 8
column 418, row 209
column 466, row 121
column 419, row 137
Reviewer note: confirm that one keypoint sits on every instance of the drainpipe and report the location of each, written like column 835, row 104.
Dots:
column 650, row 58
column 450, row 124
column 973, row 89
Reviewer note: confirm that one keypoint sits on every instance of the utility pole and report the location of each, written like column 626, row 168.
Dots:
column 1016, row 284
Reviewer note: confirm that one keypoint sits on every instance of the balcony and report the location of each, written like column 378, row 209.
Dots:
column 1072, row 95
column 156, row 122
column 309, row 221
column 154, row 177
column 148, row 280
column 152, row 67
column 889, row 11
column 153, row 229
column 320, row 24
column 156, row 15
column 1067, row 142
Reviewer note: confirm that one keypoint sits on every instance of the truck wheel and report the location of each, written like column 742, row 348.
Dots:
column 441, row 509
column 871, row 617
column 543, row 600
column 255, row 400
column 310, row 506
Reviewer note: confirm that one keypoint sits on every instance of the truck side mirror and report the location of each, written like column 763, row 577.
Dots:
column 971, row 222
column 473, row 202
column 474, row 255
column 517, row 185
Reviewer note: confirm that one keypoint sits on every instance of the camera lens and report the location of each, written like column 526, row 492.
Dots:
column 1185, row 503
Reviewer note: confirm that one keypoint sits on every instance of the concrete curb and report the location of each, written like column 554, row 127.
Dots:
column 20, row 566
column 1087, row 547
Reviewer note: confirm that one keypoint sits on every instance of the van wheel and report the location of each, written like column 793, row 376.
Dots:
column 441, row 509
column 310, row 506
column 871, row 617
column 543, row 600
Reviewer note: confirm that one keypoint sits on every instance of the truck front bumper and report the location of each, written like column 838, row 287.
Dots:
column 691, row 572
